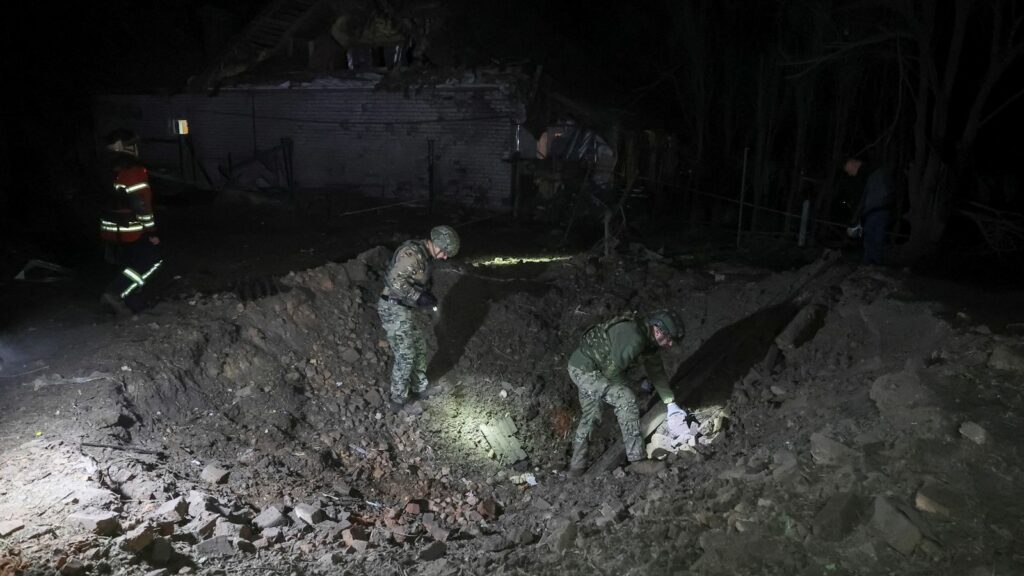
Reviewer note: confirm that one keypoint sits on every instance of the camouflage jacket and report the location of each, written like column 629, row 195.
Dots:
column 614, row 346
column 408, row 274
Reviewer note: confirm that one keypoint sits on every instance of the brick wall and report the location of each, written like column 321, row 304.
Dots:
column 349, row 138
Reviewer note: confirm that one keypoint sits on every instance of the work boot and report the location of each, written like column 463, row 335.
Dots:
column 646, row 467
column 396, row 406
column 115, row 305
column 422, row 386
column 422, row 395
column 576, row 472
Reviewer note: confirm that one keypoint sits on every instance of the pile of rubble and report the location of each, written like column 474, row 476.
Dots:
column 253, row 433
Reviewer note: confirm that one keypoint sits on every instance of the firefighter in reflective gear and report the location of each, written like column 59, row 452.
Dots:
column 599, row 367
column 406, row 290
column 127, row 226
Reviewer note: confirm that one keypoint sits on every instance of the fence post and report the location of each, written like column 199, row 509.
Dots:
column 743, row 190
column 430, row 174
column 805, row 214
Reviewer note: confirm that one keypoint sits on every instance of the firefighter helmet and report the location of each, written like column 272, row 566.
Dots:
column 122, row 140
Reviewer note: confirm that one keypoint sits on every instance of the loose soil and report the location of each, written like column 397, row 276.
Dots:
column 241, row 424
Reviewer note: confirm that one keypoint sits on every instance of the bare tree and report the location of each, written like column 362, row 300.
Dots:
column 954, row 72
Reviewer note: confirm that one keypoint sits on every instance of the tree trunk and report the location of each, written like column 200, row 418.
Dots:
column 930, row 193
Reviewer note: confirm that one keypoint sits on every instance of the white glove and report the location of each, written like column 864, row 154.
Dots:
column 676, row 419
column 855, row 231
column 678, row 428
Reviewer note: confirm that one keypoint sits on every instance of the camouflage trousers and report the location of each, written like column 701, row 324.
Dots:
column 594, row 390
column 409, row 347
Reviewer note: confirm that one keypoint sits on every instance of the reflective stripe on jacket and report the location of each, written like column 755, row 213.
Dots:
column 132, row 213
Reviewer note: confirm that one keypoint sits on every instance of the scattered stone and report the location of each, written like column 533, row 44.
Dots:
column 433, row 551
column 214, row 474
column 974, row 433
column 659, row 446
column 841, row 514
column 436, row 532
column 541, row 504
column 349, row 356
column 216, row 546
column 173, row 510
column 609, row 513
column 136, row 539
column 342, row 488
column 897, row 530
column 495, row 543
column 333, row 558
column 198, row 502
column 310, row 514
column 100, row 523
column 140, row 489
column 500, row 434
column 226, row 528
column 330, row 531
column 936, row 499
column 489, row 508
column 561, row 534
column 523, row 536
column 72, row 567
column 908, row 405
column 203, row 525
column 159, row 572
column 244, row 545
column 161, row 552
column 784, row 462
column 1004, row 357
column 273, row 535
column 827, row 451
column 356, row 538
column 270, row 517
column 165, row 526
column 8, row 527
column 726, row 498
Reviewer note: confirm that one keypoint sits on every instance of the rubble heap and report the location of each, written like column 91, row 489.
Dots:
column 851, row 430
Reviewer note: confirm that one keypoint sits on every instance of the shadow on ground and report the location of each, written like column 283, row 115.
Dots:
column 466, row 304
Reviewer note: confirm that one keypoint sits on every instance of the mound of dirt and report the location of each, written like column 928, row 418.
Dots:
column 848, row 429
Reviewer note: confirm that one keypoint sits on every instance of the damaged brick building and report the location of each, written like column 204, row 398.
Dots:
column 321, row 96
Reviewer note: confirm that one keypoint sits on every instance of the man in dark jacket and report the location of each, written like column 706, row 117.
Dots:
column 873, row 213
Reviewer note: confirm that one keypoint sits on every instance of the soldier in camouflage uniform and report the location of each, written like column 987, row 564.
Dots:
column 406, row 289
column 599, row 367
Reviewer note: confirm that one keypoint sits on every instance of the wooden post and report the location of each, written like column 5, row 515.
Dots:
column 805, row 215
column 430, row 174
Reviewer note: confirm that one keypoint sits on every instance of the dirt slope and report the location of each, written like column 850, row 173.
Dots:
column 218, row 434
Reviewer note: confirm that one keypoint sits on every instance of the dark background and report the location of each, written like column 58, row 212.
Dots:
column 798, row 84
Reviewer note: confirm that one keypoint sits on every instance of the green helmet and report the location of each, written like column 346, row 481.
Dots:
column 446, row 238
column 668, row 322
